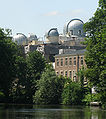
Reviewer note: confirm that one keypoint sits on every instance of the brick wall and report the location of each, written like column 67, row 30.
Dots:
column 69, row 65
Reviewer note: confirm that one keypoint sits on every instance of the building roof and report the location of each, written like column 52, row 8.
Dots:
column 77, row 52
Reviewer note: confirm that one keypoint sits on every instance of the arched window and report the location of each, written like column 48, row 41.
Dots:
column 74, row 60
column 57, row 62
column 66, row 73
column 61, row 62
column 70, row 61
column 70, row 74
column 66, row 61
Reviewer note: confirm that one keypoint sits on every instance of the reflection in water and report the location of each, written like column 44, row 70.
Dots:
column 50, row 112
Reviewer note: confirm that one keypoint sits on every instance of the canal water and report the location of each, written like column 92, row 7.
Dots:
column 50, row 112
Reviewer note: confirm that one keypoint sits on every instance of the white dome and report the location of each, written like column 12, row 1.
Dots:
column 52, row 36
column 20, row 39
column 32, row 37
column 52, row 32
column 74, row 27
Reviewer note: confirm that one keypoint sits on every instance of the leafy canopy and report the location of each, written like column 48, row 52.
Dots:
column 96, row 49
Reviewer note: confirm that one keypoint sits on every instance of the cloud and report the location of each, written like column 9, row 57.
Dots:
column 76, row 11
column 53, row 13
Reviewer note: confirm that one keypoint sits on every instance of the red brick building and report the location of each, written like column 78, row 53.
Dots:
column 69, row 64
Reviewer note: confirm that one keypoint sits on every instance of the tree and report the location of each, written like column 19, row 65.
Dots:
column 96, row 50
column 81, row 76
column 49, row 87
column 35, row 66
column 8, row 51
column 18, row 91
column 72, row 93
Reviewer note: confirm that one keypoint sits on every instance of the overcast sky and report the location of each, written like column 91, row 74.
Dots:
column 38, row 16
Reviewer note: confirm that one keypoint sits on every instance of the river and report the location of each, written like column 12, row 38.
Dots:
column 50, row 112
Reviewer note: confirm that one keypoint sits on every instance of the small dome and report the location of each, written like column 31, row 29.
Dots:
column 32, row 37
column 20, row 39
column 52, row 32
column 74, row 27
column 52, row 36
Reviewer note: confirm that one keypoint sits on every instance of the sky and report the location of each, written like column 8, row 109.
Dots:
column 39, row 16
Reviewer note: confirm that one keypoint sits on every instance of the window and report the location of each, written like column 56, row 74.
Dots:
column 81, row 60
column 66, row 61
column 61, row 62
column 66, row 73
column 71, row 32
column 57, row 73
column 70, row 61
column 79, row 32
column 57, row 62
column 74, row 60
column 74, row 76
column 61, row 73
column 73, row 73
column 70, row 74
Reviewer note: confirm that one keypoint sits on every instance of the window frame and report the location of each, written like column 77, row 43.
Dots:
column 61, row 62
column 70, row 61
column 82, row 61
column 57, row 61
column 65, row 73
column 66, row 61
column 62, row 73
column 70, row 73
column 74, row 61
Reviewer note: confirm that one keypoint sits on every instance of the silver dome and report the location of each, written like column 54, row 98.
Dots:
column 32, row 37
column 74, row 27
column 20, row 39
column 52, row 32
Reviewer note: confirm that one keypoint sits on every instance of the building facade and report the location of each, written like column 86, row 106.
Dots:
column 69, row 64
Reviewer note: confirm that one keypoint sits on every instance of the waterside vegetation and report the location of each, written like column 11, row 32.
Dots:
column 30, row 79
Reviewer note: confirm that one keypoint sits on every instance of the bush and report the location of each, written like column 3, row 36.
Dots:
column 91, row 98
column 1, row 96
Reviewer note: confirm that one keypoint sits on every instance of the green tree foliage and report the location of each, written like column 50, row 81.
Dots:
column 49, row 87
column 83, row 82
column 8, row 51
column 72, row 93
column 96, row 49
column 35, row 66
column 91, row 98
column 18, row 75
column 18, row 91
column 81, row 76
column 27, row 71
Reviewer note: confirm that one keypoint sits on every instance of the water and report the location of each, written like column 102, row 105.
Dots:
column 50, row 112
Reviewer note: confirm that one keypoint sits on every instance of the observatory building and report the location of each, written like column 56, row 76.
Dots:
column 52, row 36
column 54, row 42
column 74, row 28
column 20, row 39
